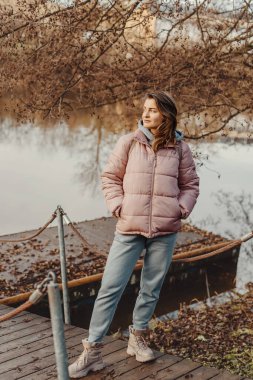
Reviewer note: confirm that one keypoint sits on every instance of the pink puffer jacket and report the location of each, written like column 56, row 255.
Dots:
column 153, row 190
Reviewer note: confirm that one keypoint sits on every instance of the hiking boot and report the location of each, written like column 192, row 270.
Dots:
column 89, row 360
column 137, row 345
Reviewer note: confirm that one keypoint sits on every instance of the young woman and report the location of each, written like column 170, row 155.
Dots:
column 150, row 183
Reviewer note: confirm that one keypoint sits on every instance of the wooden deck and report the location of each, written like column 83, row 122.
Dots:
column 27, row 352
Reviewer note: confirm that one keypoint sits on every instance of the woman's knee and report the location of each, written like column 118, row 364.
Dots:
column 110, row 288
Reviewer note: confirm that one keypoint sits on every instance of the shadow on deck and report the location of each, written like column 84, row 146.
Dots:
column 27, row 352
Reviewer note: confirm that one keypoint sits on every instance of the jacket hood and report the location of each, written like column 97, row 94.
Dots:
column 178, row 134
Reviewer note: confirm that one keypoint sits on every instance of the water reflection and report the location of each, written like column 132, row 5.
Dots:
column 237, row 222
column 41, row 167
column 225, row 204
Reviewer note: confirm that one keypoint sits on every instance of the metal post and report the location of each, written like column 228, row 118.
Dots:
column 209, row 303
column 63, row 266
column 58, row 331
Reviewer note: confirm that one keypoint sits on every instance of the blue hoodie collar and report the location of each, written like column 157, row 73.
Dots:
column 146, row 131
column 178, row 134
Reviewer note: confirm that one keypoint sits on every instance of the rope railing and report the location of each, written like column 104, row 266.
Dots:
column 78, row 234
column 182, row 257
column 198, row 251
column 71, row 284
column 16, row 311
column 210, row 254
column 35, row 297
column 217, row 249
column 40, row 230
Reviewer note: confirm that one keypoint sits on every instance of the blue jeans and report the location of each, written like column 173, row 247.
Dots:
column 123, row 255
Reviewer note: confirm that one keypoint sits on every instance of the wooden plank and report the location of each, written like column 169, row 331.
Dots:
column 42, row 332
column 48, row 369
column 225, row 375
column 3, row 307
column 36, row 355
column 45, row 353
column 174, row 371
column 35, row 361
column 25, row 323
column 133, row 370
column 33, row 346
column 201, row 373
column 6, row 309
column 18, row 319
column 24, row 332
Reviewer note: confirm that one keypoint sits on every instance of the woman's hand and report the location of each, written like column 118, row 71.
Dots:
column 184, row 213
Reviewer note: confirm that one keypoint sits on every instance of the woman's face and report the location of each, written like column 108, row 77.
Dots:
column 151, row 115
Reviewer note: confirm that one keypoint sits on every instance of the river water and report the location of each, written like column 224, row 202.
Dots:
column 43, row 167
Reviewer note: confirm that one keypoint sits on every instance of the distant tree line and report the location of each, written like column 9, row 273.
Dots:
column 57, row 59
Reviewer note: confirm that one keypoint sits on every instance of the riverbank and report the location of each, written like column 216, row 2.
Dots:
column 219, row 336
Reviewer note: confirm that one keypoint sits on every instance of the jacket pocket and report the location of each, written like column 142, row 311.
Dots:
column 117, row 212
column 121, row 211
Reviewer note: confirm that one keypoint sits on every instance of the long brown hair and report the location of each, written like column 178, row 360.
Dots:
column 165, row 133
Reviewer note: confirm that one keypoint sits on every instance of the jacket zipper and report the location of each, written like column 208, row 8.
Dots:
column 152, row 191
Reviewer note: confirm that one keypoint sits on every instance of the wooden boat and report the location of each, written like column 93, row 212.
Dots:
column 27, row 263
